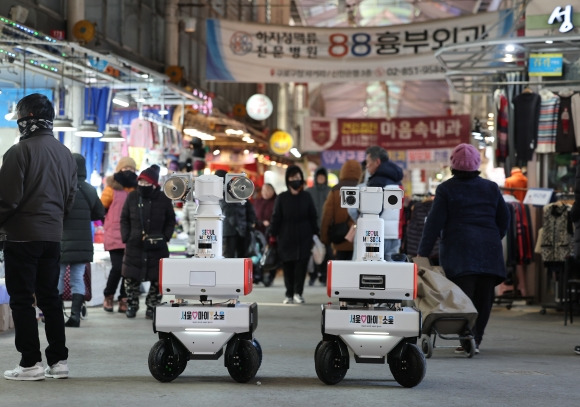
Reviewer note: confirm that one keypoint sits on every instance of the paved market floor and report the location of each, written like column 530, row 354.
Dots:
column 526, row 359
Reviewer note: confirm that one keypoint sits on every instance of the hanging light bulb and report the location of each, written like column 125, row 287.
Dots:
column 88, row 129
column 112, row 135
column 63, row 124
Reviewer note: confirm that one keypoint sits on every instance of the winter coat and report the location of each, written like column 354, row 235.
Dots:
column 77, row 236
column 471, row 217
column 159, row 218
column 239, row 218
column 188, row 223
column 517, row 180
column 575, row 214
column 319, row 193
column 113, row 199
column 293, row 225
column 38, row 182
column 333, row 213
column 264, row 209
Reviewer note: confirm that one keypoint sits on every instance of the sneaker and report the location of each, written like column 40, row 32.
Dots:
column 131, row 312
column 477, row 350
column 149, row 313
column 35, row 372
column 57, row 371
column 577, row 349
column 298, row 299
column 459, row 349
column 288, row 300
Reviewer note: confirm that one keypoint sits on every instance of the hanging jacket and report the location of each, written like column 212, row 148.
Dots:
column 517, row 180
column 557, row 235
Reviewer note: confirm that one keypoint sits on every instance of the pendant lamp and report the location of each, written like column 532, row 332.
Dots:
column 88, row 129
column 112, row 135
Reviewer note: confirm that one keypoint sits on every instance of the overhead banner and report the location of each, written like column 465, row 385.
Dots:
column 247, row 52
column 322, row 133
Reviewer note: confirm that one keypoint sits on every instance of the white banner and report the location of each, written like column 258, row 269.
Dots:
column 247, row 52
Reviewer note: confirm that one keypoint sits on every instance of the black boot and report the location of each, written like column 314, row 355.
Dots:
column 75, row 314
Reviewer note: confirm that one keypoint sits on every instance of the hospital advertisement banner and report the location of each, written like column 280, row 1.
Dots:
column 322, row 133
column 249, row 52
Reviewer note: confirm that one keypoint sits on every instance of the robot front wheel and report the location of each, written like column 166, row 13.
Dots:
column 409, row 367
column 331, row 361
column 166, row 360
column 243, row 359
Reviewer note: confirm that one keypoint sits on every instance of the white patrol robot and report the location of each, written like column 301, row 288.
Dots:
column 206, row 315
column 370, row 318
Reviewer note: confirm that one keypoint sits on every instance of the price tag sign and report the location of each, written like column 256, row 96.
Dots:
column 538, row 196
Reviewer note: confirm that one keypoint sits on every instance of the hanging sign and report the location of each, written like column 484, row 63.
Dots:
column 259, row 107
column 538, row 196
column 545, row 64
column 281, row 142
column 248, row 52
column 321, row 133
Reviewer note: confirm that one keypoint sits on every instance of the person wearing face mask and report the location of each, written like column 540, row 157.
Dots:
column 38, row 180
column 118, row 186
column 293, row 224
column 146, row 211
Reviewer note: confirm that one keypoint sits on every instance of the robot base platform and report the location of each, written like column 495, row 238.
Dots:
column 201, row 331
column 372, row 334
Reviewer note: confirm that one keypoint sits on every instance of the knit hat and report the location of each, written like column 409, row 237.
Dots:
column 465, row 157
column 126, row 162
column 150, row 175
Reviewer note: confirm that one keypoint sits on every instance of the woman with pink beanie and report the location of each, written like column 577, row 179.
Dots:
column 471, row 217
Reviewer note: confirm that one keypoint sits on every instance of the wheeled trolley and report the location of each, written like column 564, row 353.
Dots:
column 448, row 328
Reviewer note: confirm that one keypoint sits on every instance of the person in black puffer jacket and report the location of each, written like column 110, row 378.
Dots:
column 76, row 247
column 575, row 217
column 293, row 225
column 146, row 210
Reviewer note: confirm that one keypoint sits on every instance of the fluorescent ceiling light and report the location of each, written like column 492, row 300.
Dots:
column 199, row 134
column 120, row 101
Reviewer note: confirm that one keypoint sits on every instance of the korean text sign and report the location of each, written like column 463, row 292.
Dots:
column 248, row 52
column 395, row 134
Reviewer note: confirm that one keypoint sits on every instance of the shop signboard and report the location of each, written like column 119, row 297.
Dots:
column 545, row 64
column 548, row 17
column 249, row 52
column 395, row 134
column 538, row 196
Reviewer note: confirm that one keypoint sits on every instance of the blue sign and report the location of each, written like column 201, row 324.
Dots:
column 545, row 65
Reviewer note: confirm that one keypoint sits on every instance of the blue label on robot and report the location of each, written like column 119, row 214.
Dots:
column 371, row 236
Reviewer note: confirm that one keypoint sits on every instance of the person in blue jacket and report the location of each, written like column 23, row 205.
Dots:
column 471, row 217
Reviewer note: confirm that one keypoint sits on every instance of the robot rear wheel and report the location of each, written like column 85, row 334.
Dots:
column 329, row 361
column 243, row 359
column 409, row 369
column 165, row 362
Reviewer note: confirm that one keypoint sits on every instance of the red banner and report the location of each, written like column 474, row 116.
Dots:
column 394, row 134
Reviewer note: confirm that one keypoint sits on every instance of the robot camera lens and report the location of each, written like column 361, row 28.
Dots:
column 392, row 200
column 350, row 200
column 350, row 192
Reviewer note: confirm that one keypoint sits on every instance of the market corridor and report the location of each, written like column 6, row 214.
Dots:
column 526, row 359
